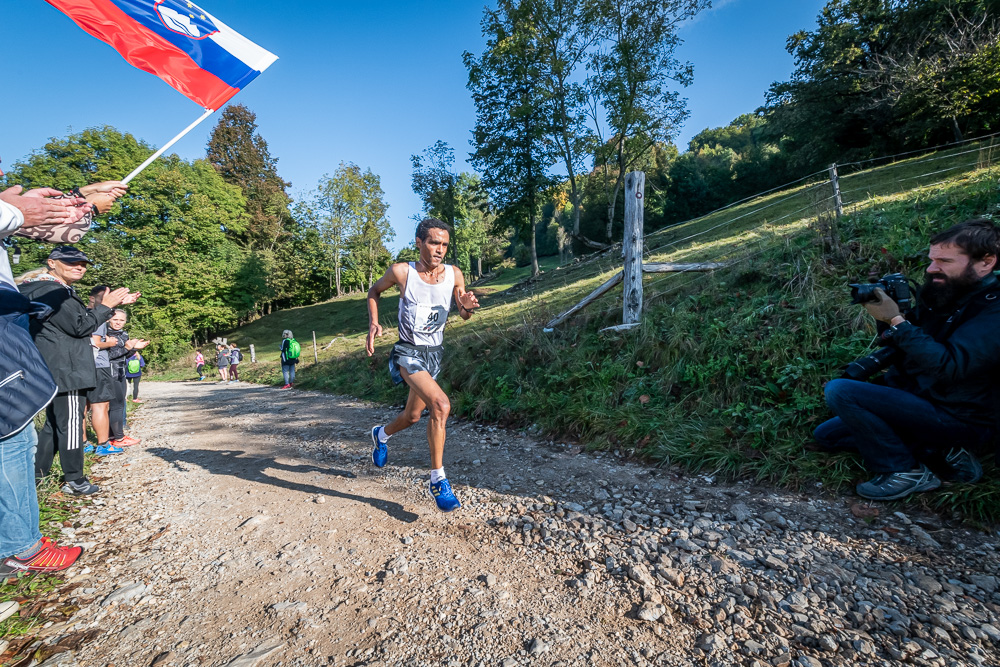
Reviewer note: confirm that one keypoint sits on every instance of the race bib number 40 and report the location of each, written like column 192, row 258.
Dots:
column 430, row 319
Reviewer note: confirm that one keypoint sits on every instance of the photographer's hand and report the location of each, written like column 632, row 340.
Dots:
column 883, row 310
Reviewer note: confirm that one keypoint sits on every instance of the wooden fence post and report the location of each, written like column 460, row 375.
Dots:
column 253, row 354
column 838, row 203
column 632, row 244
column 315, row 351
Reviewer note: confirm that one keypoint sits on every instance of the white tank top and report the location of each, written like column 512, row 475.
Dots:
column 423, row 308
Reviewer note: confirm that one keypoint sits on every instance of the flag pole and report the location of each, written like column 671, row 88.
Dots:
column 149, row 160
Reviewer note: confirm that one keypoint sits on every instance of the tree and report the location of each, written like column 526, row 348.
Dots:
column 372, row 229
column 564, row 37
column 175, row 236
column 241, row 156
column 632, row 72
column 512, row 117
column 434, row 182
column 951, row 74
column 474, row 222
column 877, row 76
column 332, row 210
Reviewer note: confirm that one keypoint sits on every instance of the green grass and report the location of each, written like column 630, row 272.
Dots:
column 725, row 374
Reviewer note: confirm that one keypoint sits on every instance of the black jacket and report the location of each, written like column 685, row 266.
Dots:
column 118, row 355
column 951, row 358
column 64, row 338
column 26, row 386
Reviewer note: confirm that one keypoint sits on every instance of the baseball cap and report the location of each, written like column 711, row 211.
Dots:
column 68, row 253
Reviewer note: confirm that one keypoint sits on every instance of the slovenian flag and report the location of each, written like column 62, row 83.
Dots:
column 176, row 40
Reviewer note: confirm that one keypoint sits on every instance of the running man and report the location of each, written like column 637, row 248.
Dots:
column 426, row 290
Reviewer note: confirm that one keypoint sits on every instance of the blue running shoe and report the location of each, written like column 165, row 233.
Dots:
column 89, row 449
column 380, row 450
column 105, row 450
column 444, row 496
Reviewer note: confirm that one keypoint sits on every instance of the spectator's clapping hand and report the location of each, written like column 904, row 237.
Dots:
column 131, row 297
column 40, row 207
column 115, row 298
column 139, row 343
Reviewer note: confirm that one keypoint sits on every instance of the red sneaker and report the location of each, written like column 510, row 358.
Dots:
column 287, row 386
column 127, row 441
column 50, row 558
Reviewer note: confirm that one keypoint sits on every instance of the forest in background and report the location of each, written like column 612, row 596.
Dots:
column 570, row 95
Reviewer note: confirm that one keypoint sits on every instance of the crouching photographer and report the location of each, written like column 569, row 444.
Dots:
column 938, row 402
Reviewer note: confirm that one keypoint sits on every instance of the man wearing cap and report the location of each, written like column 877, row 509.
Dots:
column 64, row 339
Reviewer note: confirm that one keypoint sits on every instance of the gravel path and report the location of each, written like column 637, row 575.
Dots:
column 250, row 528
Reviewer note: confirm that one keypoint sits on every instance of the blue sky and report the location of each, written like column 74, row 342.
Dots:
column 370, row 83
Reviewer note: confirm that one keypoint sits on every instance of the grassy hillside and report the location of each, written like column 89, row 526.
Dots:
column 725, row 374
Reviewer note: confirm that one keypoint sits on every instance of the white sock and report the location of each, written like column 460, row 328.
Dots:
column 437, row 475
column 382, row 435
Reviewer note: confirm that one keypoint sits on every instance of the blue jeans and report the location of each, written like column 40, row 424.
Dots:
column 892, row 429
column 288, row 370
column 18, row 499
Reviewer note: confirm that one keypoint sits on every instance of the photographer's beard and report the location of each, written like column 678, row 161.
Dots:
column 940, row 291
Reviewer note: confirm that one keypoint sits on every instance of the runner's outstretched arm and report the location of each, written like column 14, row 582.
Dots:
column 394, row 275
column 467, row 301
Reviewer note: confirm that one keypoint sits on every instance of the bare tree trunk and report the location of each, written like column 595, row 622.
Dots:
column 479, row 268
column 956, row 129
column 337, row 273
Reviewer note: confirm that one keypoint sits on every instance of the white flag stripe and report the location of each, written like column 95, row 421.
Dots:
column 254, row 56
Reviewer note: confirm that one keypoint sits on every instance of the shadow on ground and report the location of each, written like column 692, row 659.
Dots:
column 256, row 469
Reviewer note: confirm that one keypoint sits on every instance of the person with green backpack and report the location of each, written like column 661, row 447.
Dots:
column 290, row 351
column 133, row 373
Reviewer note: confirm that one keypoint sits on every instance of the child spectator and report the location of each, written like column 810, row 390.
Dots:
column 199, row 364
column 222, row 359
column 235, row 357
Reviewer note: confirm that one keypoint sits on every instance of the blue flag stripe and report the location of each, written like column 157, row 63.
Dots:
column 205, row 52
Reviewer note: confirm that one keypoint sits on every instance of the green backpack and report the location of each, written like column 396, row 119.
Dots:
column 294, row 349
column 134, row 366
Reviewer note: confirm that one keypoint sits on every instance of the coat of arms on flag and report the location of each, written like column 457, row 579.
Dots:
column 185, row 18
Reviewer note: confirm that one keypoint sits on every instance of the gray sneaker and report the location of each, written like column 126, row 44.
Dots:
column 896, row 485
column 80, row 487
column 962, row 466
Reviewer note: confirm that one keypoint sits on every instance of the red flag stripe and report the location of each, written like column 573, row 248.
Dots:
column 146, row 50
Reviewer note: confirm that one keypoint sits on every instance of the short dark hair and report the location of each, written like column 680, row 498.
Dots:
column 425, row 226
column 977, row 238
column 98, row 290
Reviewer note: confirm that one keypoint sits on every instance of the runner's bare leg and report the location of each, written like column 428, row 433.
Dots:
column 425, row 392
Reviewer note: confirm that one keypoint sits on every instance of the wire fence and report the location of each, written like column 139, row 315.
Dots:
column 737, row 224
column 871, row 182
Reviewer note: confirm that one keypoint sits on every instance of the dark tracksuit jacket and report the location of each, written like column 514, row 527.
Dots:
column 951, row 358
column 64, row 338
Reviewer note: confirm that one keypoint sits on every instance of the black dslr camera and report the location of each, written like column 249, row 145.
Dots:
column 897, row 288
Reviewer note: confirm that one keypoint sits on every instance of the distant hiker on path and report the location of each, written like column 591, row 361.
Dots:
column 222, row 360
column 426, row 290
column 235, row 357
column 290, row 351
column 133, row 373
column 199, row 365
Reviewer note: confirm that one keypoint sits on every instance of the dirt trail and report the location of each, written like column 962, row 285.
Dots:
column 250, row 528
